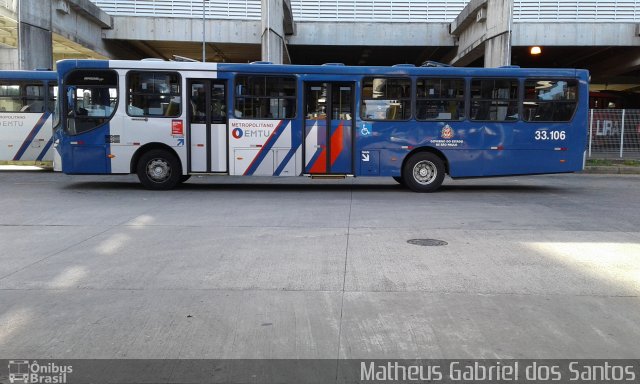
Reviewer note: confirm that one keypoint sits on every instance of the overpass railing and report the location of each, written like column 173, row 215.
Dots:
column 598, row 11
column 213, row 9
column 605, row 11
column 377, row 10
column 614, row 133
column 303, row 10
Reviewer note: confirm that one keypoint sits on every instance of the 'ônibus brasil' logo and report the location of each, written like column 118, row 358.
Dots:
column 25, row 371
column 447, row 132
column 237, row 133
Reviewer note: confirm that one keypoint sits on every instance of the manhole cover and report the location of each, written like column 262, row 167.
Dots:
column 427, row 242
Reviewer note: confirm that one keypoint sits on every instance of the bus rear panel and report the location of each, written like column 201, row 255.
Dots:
column 27, row 100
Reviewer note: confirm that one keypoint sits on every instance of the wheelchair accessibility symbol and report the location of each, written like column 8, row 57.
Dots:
column 365, row 131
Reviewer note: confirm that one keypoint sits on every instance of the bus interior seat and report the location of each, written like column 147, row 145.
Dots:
column 173, row 109
column 393, row 112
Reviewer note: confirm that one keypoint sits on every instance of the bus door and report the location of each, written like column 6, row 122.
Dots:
column 207, row 133
column 328, row 140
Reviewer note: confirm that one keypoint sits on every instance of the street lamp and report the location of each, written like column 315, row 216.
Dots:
column 19, row 36
column 204, row 49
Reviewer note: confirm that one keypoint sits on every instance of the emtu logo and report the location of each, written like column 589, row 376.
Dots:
column 237, row 133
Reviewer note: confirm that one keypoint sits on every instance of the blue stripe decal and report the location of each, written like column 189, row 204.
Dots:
column 31, row 136
column 285, row 161
column 265, row 149
column 44, row 151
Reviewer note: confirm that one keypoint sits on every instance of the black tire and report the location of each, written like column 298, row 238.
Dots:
column 159, row 169
column 399, row 180
column 184, row 178
column 423, row 172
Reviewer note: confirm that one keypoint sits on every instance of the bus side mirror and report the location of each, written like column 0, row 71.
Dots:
column 71, row 100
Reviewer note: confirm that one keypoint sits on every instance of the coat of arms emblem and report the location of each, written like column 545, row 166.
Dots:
column 447, row 132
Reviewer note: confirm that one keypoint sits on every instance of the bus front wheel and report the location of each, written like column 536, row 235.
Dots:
column 159, row 169
column 423, row 172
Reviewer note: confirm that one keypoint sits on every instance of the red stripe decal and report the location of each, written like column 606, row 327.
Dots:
column 320, row 166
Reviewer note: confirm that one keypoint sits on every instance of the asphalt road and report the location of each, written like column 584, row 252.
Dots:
column 535, row 267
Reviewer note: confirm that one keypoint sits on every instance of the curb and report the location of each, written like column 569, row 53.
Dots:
column 21, row 168
column 612, row 169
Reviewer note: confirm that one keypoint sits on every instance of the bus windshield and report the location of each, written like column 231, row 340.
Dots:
column 90, row 98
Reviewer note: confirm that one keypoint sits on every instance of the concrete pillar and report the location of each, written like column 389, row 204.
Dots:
column 9, row 59
column 497, row 48
column 35, row 41
column 273, row 31
column 36, row 47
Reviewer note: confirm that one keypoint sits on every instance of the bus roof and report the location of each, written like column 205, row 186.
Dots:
column 327, row 69
column 28, row 75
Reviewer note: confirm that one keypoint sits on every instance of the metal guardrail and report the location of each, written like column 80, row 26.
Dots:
column 213, row 9
column 600, row 11
column 614, row 133
column 378, row 10
column 303, row 10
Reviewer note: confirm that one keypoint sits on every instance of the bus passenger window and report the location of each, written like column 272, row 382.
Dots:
column 22, row 97
column 316, row 99
column 265, row 97
column 440, row 99
column 153, row 94
column 218, row 103
column 549, row 100
column 10, row 99
column 34, row 101
column 386, row 98
column 494, row 99
column 198, row 103
column 341, row 103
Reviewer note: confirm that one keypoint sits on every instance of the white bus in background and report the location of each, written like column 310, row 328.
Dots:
column 27, row 101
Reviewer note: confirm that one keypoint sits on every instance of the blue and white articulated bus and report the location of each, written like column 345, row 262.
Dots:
column 27, row 101
column 167, row 121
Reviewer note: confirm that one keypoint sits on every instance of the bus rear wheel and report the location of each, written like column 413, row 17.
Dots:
column 423, row 172
column 159, row 169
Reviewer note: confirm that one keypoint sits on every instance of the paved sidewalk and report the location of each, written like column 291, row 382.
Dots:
column 535, row 267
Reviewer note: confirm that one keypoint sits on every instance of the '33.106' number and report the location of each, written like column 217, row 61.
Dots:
column 550, row 135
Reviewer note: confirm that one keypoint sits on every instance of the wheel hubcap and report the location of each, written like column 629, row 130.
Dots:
column 158, row 170
column 425, row 172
